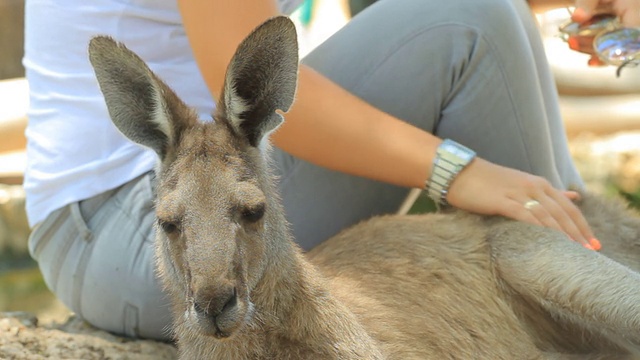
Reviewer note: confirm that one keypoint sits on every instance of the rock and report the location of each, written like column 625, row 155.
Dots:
column 11, row 38
column 14, row 228
column 25, row 318
column 22, row 338
column 608, row 162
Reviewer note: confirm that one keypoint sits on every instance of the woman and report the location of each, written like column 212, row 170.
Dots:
column 373, row 105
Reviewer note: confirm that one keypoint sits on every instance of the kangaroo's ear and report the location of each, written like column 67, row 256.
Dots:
column 261, row 78
column 141, row 106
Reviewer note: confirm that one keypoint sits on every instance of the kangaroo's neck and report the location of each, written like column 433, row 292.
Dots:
column 296, row 317
column 303, row 319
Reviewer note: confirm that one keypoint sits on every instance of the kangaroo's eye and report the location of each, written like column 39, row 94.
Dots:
column 253, row 214
column 169, row 227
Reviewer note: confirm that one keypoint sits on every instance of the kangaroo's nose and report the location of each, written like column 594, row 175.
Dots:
column 215, row 301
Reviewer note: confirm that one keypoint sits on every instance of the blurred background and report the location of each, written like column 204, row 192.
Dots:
column 601, row 112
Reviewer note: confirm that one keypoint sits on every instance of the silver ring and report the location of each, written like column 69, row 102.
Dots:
column 531, row 204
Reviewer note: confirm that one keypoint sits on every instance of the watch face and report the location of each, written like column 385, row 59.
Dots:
column 461, row 152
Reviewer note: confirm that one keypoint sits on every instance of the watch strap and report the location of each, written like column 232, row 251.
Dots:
column 451, row 158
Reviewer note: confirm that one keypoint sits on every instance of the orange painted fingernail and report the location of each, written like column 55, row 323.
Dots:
column 573, row 42
column 587, row 246
column 595, row 244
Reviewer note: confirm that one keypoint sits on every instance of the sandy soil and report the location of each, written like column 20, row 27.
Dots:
column 22, row 338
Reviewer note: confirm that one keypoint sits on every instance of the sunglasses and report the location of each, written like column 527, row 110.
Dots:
column 606, row 40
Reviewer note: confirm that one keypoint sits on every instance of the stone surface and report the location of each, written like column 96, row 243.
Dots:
column 14, row 103
column 22, row 338
column 11, row 38
column 14, row 228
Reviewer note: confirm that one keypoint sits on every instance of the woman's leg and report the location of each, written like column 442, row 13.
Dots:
column 463, row 69
column 470, row 70
column 97, row 257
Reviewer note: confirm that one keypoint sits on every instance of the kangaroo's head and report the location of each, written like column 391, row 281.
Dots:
column 216, row 211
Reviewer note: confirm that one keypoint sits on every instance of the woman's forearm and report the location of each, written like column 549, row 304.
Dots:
column 327, row 125
column 330, row 127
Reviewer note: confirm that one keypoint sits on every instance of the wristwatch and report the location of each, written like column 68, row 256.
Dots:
column 451, row 158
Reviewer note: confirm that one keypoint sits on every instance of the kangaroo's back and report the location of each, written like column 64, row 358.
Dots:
column 465, row 286
column 425, row 281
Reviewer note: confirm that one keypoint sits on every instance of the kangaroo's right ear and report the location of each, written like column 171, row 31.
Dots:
column 141, row 106
column 261, row 78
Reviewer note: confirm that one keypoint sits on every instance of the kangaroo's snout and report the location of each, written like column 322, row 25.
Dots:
column 218, row 310
column 213, row 301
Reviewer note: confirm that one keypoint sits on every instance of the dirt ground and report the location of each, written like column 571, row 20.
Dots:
column 21, row 338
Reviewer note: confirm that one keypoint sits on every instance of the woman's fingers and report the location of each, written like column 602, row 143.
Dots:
column 572, row 195
column 548, row 213
column 540, row 209
column 587, row 5
column 585, row 9
column 630, row 18
column 628, row 11
column 574, row 216
column 580, row 14
column 567, row 216
column 487, row 188
column 554, row 209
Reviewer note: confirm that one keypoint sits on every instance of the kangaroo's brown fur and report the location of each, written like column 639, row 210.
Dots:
column 439, row 286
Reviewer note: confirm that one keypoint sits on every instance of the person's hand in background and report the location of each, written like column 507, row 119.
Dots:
column 627, row 10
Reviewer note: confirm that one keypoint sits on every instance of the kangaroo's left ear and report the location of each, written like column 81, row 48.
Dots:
column 141, row 105
column 261, row 78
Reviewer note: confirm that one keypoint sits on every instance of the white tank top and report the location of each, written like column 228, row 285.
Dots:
column 74, row 152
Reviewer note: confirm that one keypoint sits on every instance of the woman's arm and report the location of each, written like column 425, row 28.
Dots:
column 330, row 127
column 326, row 125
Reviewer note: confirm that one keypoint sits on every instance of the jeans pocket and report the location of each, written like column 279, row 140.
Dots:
column 43, row 232
column 80, row 222
column 51, row 241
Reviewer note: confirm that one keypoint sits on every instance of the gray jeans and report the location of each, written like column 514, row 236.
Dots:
column 471, row 70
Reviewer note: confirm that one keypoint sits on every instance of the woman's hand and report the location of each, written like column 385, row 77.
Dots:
column 490, row 189
column 627, row 10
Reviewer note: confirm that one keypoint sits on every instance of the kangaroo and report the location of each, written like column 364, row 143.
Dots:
column 435, row 286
